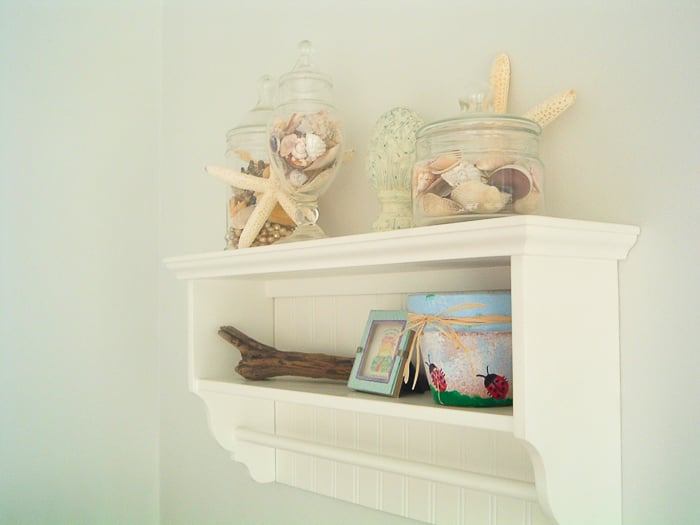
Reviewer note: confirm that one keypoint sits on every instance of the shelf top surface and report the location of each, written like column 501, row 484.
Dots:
column 475, row 243
column 336, row 395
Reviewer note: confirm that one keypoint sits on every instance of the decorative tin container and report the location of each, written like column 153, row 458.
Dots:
column 464, row 341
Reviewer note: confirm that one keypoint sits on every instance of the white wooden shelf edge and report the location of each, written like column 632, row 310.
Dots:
column 337, row 396
column 414, row 248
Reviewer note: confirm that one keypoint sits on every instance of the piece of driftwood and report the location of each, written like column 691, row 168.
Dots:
column 260, row 361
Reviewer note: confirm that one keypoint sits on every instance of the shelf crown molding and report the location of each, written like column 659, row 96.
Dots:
column 442, row 246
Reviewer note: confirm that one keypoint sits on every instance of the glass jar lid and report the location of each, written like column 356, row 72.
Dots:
column 305, row 81
column 477, row 116
column 254, row 122
column 480, row 122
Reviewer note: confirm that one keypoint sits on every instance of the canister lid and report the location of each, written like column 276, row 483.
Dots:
column 476, row 114
column 254, row 121
column 305, row 81
column 480, row 122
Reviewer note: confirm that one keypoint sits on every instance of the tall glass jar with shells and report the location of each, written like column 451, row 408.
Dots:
column 247, row 152
column 477, row 165
column 305, row 140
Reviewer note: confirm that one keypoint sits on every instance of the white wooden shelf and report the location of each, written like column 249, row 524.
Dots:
column 315, row 296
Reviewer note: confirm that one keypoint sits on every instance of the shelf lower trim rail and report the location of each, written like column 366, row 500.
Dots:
column 471, row 480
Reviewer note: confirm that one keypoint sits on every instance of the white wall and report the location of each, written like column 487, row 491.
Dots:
column 79, row 110
column 89, row 196
column 624, row 153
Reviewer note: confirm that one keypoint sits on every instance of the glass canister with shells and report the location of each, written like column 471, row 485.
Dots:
column 477, row 165
column 247, row 152
column 306, row 142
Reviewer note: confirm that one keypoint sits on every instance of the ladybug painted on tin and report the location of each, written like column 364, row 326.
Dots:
column 438, row 378
column 497, row 386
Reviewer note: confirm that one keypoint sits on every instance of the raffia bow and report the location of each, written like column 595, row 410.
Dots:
column 443, row 324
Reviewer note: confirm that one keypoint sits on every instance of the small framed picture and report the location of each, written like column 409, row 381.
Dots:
column 379, row 362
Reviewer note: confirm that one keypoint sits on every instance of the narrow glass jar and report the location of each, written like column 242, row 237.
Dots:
column 305, row 140
column 477, row 165
column 247, row 152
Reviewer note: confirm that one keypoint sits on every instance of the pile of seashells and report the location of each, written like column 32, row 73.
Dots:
column 455, row 185
column 306, row 147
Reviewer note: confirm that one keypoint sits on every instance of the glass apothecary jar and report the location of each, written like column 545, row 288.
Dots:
column 305, row 140
column 477, row 165
column 247, row 152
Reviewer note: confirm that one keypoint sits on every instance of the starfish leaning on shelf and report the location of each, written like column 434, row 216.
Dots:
column 270, row 194
column 543, row 113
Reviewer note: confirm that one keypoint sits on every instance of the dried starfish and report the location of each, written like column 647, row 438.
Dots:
column 543, row 113
column 271, row 193
column 500, row 82
column 551, row 108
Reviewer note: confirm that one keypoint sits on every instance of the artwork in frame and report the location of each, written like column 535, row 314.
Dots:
column 379, row 363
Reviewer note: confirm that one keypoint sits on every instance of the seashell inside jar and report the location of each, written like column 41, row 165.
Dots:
column 477, row 166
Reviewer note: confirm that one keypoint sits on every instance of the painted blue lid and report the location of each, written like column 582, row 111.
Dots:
column 490, row 303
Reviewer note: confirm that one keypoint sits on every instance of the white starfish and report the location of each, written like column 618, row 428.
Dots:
column 271, row 193
column 543, row 113
column 500, row 82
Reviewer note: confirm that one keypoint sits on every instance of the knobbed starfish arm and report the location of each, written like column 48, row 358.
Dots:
column 239, row 180
column 500, row 82
column 543, row 113
column 263, row 210
column 551, row 108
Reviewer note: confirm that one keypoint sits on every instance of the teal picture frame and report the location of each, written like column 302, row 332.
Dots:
column 379, row 363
